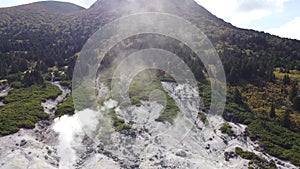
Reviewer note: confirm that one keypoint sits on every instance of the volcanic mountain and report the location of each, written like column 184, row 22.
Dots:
column 51, row 35
column 62, row 32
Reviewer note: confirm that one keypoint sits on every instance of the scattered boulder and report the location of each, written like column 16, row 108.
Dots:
column 49, row 152
column 23, row 143
column 181, row 154
column 226, row 156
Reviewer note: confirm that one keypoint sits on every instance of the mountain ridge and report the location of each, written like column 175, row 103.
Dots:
column 57, row 6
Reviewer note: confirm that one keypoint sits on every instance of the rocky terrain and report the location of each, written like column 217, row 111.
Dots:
column 189, row 143
column 3, row 92
column 33, row 148
column 151, row 144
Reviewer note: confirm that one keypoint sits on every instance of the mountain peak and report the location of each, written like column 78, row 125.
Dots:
column 51, row 6
column 60, row 6
column 142, row 5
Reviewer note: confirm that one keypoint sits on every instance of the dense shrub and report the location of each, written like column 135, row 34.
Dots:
column 65, row 108
column 118, row 123
column 257, row 160
column 23, row 108
column 226, row 129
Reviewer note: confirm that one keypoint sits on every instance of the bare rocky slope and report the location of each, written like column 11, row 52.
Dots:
column 149, row 144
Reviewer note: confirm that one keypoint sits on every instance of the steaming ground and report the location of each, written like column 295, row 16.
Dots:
column 36, row 148
column 69, row 131
column 149, row 144
column 189, row 143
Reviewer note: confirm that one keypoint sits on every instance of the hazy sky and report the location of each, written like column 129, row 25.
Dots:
column 279, row 17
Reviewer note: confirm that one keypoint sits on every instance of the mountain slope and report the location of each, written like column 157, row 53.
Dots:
column 66, row 34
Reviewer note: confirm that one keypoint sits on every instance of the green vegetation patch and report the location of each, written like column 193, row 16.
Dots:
column 202, row 117
column 123, row 127
column 83, row 96
column 66, row 83
column 66, row 107
column 273, row 134
column 23, row 108
column 255, row 159
column 245, row 154
column 205, row 93
column 277, row 140
column 170, row 112
column 141, row 87
column 226, row 129
column 118, row 123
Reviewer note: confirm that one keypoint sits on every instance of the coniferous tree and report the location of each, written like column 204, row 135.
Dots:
column 14, row 68
column 296, row 103
column 285, row 121
column 270, row 76
column 294, row 91
column 286, row 80
column 272, row 112
column 22, row 64
column 237, row 97
column 32, row 77
column 27, row 79
column 2, row 69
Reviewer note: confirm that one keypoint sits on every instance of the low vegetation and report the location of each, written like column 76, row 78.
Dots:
column 202, row 117
column 66, row 107
column 140, row 89
column 267, row 112
column 170, row 112
column 118, row 123
column 256, row 160
column 205, row 93
column 23, row 108
column 276, row 140
column 227, row 129
column 254, row 105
